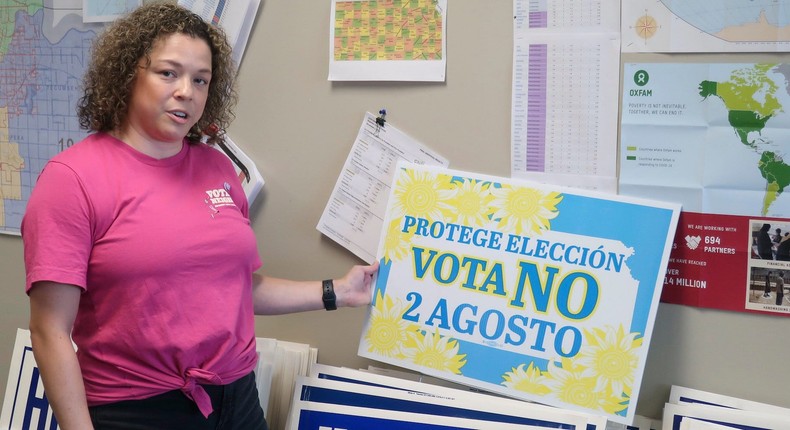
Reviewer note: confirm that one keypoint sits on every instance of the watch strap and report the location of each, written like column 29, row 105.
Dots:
column 329, row 297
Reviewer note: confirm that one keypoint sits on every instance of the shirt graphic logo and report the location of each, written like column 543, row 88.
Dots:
column 218, row 198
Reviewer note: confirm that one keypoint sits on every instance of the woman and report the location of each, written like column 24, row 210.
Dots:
column 138, row 244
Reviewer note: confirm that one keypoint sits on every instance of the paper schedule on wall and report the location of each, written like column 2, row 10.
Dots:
column 537, row 292
column 353, row 214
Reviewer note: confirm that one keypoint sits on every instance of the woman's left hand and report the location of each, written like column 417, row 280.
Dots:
column 353, row 289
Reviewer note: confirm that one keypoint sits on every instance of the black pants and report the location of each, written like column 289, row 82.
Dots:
column 236, row 406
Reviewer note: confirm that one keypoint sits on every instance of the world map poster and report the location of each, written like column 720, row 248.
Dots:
column 716, row 139
column 535, row 292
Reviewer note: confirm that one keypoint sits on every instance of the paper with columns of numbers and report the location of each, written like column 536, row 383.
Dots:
column 353, row 215
column 536, row 292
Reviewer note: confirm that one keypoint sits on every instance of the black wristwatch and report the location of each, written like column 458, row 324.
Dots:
column 329, row 297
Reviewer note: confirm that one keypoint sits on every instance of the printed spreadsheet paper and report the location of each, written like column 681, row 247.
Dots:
column 519, row 288
column 566, row 69
column 353, row 214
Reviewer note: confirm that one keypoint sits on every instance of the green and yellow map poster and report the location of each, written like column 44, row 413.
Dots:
column 716, row 139
column 541, row 293
column 388, row 40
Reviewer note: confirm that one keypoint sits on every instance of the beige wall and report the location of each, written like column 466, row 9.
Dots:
column 299, row 127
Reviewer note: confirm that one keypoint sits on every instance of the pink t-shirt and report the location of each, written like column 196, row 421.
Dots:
column 164, row 253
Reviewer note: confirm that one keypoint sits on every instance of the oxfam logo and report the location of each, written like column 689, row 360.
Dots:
column 641, row 77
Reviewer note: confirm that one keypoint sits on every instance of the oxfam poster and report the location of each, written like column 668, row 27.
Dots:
column 535, row 292
column 714, row 138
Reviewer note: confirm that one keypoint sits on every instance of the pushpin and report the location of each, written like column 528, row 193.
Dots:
column 382, row 118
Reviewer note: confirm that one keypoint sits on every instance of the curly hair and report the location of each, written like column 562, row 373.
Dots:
column 116, row 54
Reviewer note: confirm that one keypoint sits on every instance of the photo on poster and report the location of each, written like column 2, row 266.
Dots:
column 769, row 267
column 770, row 240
